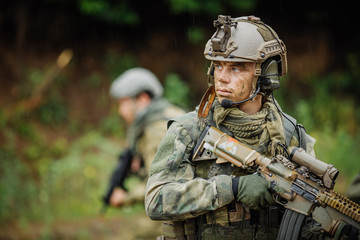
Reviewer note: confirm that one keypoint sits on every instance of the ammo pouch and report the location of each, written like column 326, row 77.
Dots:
column 232, row 220
column 179, row 230
column 231, row 213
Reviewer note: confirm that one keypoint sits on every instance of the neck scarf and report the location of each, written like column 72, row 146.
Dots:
column 262, row 131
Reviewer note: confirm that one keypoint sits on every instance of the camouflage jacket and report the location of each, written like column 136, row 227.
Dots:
column 174, row 190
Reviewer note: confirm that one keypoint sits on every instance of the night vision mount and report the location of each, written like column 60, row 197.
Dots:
column 220, row 41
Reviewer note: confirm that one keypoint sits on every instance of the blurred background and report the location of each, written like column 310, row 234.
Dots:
column 59, row 129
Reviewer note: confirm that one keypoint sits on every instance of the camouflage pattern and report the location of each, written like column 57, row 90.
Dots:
column 144, row 137
column 179, row 189
column 172, row 177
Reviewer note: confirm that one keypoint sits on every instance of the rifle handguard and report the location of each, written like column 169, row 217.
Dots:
column 308, row 182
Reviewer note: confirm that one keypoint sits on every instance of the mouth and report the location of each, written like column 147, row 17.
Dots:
column 223, row 92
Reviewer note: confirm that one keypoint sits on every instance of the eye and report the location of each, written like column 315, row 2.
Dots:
column 235, row 69
column 217, row 66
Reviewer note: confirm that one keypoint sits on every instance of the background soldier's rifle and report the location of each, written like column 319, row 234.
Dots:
column 118, row 176
column 308, row 182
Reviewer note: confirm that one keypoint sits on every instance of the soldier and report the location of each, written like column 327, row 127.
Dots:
column 139, row 95
column 207, row 200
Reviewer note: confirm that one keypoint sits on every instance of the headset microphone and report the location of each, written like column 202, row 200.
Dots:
column 226, row 103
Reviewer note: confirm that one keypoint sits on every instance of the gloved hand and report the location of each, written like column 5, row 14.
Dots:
column 252, row 190
column 346, row 232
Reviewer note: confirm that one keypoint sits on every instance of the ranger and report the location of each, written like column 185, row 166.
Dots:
column 205, row 199
column 139, row 95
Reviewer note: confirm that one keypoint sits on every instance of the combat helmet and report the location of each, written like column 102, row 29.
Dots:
column 248, row 39
column 135, row 81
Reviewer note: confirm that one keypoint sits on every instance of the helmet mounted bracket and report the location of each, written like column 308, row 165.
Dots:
column 222, row 42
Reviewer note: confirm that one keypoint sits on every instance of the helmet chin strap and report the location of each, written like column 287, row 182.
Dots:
column 226, row 103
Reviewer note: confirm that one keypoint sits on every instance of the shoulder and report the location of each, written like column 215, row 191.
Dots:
column 189, row 121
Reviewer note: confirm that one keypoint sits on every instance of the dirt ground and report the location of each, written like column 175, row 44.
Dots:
column 134, row 227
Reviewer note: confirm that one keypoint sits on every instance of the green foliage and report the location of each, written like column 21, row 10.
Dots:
column 177, row 91
column 93, row 80
column 245, row 5
column 113, row 125
column 52, row 112
column 116, row 63
column 16, row 188
column 329, row 106
column 126, row 12
column 340, row 149
column 210, row 7
column 196, row 35
column 33, row 78
column 69, row 184
column 26, row 130
column 110, row 11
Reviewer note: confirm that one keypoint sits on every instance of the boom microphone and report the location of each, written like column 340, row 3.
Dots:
column 226, row 103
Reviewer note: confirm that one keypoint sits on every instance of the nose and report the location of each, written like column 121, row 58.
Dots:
column 222, row 76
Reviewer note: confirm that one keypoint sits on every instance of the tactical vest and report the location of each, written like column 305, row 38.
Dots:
column 234, row 220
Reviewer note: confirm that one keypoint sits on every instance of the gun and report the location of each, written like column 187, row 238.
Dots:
column 118, row 176
column 308, row 182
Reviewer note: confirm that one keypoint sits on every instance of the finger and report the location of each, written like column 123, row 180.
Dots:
column 269, row 199
column 279, row 189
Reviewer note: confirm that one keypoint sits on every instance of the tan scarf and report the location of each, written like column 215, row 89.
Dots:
column 262, row 131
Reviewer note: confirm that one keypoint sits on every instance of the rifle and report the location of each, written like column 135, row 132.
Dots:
column 308, row 182
column 118, row 176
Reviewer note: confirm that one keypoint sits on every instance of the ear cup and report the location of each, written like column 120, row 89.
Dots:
column 269, row 79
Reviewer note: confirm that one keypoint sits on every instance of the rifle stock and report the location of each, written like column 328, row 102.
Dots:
column 308, row 182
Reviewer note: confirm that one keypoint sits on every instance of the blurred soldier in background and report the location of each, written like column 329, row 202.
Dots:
column 139, row 95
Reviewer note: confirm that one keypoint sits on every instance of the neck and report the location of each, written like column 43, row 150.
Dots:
column 252, row 106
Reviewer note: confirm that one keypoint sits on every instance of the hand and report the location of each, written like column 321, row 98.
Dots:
column 117, row 198
column 346, row 232
column 253, row 191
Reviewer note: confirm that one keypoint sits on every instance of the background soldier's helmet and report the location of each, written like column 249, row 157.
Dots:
column 135, row 81
column 248, row 39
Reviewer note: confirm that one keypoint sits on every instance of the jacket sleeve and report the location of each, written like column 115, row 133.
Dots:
column 172, row 191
